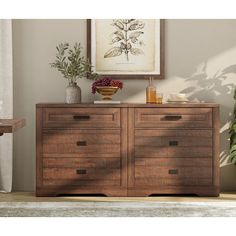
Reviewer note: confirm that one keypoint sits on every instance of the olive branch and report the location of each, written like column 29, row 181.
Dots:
column 71, row 63
column 126, row 38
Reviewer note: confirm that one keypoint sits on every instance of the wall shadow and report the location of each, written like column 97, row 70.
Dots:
column 216, row 88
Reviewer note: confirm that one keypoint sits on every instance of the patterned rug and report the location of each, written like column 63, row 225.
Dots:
column 118, row 209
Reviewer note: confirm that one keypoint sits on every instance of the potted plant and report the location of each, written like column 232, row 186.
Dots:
column 73, row 66
column 106, row 86
column 233, row 135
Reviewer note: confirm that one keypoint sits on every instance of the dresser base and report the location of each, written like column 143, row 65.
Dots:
column 54, row 192
column 208, row 191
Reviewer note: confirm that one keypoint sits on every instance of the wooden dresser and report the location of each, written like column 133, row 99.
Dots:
column 127, row 149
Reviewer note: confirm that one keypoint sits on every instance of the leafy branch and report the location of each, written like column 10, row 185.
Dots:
column 126, row 38
column 71, row 63
column 232, row 133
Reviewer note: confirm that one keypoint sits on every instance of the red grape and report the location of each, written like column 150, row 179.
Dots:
column 106, row 81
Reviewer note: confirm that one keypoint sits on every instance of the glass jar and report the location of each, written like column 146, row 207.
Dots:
column 151, row 92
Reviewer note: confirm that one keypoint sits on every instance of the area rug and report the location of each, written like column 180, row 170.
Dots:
column 118, row 209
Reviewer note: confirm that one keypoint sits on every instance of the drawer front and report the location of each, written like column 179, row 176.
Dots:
column 173, row 143
column 81, row 143
column 89, row 173
column 81, row 172
column 175, row 172
column 173, row 117
column 82, row 183
column 81, row 117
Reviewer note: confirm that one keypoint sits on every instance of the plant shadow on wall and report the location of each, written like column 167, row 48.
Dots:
column 215, row 88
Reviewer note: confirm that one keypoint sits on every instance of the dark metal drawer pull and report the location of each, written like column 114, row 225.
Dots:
column 173, row 172
column 173, row 143
column 81, row 172
column 81, row 143
column 173, row 117
column 81, row 117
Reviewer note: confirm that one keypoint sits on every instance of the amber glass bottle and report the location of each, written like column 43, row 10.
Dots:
column 151, row 92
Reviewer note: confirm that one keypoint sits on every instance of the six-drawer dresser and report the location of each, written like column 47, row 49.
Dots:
column 127, row 149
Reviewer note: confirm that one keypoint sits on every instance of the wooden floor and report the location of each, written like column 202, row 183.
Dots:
column 30, row 197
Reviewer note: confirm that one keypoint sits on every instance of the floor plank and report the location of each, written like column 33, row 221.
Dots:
column 30, row 197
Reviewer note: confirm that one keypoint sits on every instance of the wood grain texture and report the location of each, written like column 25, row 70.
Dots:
column 177, row 141
column 160, row 182
column 91, row 137
column 92, row 162
column 71, row 173
column 174, row 162
column 203, row 190
column 11, row 125
column 157, row 172
column 90, row 149
column 39, row 149
column 81, row 183
column 123, row 147
column 131, row 159
column 127, row 149
column 175, row 152
column 82, row 118
column 189, row 133
column 173, row 118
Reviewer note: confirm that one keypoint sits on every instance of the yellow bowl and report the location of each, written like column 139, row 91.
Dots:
column 107, row 91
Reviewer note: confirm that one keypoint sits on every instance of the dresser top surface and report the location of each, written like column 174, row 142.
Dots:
column 141, row 105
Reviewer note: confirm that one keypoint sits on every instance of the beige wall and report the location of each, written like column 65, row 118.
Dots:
column 200, row 61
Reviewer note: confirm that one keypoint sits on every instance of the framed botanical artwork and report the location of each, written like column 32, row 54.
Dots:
column 126, row 48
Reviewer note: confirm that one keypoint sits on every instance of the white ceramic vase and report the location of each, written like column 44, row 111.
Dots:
column 73, row 93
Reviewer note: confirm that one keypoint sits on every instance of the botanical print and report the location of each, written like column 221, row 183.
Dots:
column 125, row 46
column 126, row 38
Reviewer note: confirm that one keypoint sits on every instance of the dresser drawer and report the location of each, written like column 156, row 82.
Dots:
column 81, row 143
column 73, row 150
column 82, row 172
column 173, row 117
column 174, row 172
column 81, row 117
column 173, row 143
column 173, row 138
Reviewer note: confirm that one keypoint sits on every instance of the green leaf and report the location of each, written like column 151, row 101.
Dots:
column 70, row 62
column 233, row 148
column 232, row 132
column 232, row 156
column 233, row 160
